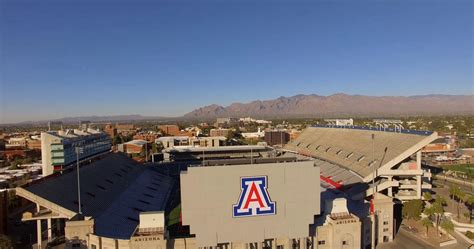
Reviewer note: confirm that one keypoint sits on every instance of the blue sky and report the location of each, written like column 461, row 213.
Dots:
column 103, row 57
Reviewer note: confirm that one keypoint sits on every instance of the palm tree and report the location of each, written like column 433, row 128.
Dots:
column 452, row 191
column 426, row 222
column 447, row 225
column 427, row 196
column 459, row 198
column 438, row 210
column 470, row 204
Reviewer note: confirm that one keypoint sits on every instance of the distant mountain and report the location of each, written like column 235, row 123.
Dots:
column 97, row 119
column 341, row 105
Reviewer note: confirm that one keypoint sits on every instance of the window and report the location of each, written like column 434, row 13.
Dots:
column 93, row 247
column 360, row 158
column 385, row 229
column 321, row 242
column 350, row 154
column 317, row 148
column 344, row 242
column 372, row 162
column 280, row 247
column 328, row 149
column 385, row 222
column 339, row 152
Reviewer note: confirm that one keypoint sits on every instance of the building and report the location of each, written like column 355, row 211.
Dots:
column 110, row 130
column 149, row 137
column 276, row 137
column 132, row 147
column 341, row 229
column 33, row 143
column 226, row 122
column 207, row 141
column 253, row 135
column 340, row 122
column 264, row 202
column 58, row 148
column 170, row 130
column 171, row 141
column 219, row 132
column 192, row 153
column 126, row 129
column 116, row 197
column 16, row 143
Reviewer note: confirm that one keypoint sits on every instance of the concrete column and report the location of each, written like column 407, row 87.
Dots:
column 418, row 178
column 418, row 159
column 50, row 231
column 390, row 193
column 38, row 229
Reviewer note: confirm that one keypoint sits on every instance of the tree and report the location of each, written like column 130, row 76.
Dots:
column 412, row 209
column 452, row 191
column 427, row 196
column 460, row 195
column 470, row 203
column 438, row 210
column 426, row 222
column 447, row 225
column 117, row 140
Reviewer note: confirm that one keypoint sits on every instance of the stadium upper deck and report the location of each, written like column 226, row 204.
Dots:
column 352, row 148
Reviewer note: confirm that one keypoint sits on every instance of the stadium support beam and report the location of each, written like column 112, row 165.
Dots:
column 50, row 231
column 38, row 228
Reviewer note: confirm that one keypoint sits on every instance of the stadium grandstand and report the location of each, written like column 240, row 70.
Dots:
column 352, row 154
column 114, row 193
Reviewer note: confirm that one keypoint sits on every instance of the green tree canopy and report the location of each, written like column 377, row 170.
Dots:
column 412, row 209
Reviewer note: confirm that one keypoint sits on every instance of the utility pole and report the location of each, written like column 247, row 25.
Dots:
column 78, row 151
column 373, row 193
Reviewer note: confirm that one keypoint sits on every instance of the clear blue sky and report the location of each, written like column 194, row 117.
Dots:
column 103, row 57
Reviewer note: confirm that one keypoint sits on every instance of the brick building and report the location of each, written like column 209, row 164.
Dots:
column 276, row 137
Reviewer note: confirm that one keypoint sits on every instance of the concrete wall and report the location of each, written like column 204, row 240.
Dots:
column 208, row 195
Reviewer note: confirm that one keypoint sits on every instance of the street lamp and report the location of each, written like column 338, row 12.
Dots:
column 79, row 150
column 373, row 192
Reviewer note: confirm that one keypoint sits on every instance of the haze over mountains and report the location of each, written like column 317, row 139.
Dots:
column 337, row 105
column 342, row 105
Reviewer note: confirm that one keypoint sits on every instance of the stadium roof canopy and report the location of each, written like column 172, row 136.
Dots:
column 114, row 190
column 352, row 147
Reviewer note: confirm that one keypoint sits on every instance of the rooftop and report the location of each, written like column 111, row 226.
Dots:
column 114, row 190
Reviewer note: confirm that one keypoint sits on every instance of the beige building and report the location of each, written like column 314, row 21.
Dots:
column 341, row 229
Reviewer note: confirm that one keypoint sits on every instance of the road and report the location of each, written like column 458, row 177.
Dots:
column 405, row 241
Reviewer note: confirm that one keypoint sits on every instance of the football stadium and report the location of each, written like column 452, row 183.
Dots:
column 332, row 187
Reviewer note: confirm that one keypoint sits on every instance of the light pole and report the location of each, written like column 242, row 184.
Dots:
column 78, row 151
column 373, row 192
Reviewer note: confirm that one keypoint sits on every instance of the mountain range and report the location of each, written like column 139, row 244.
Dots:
column 308, row 106
column 339, row 105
